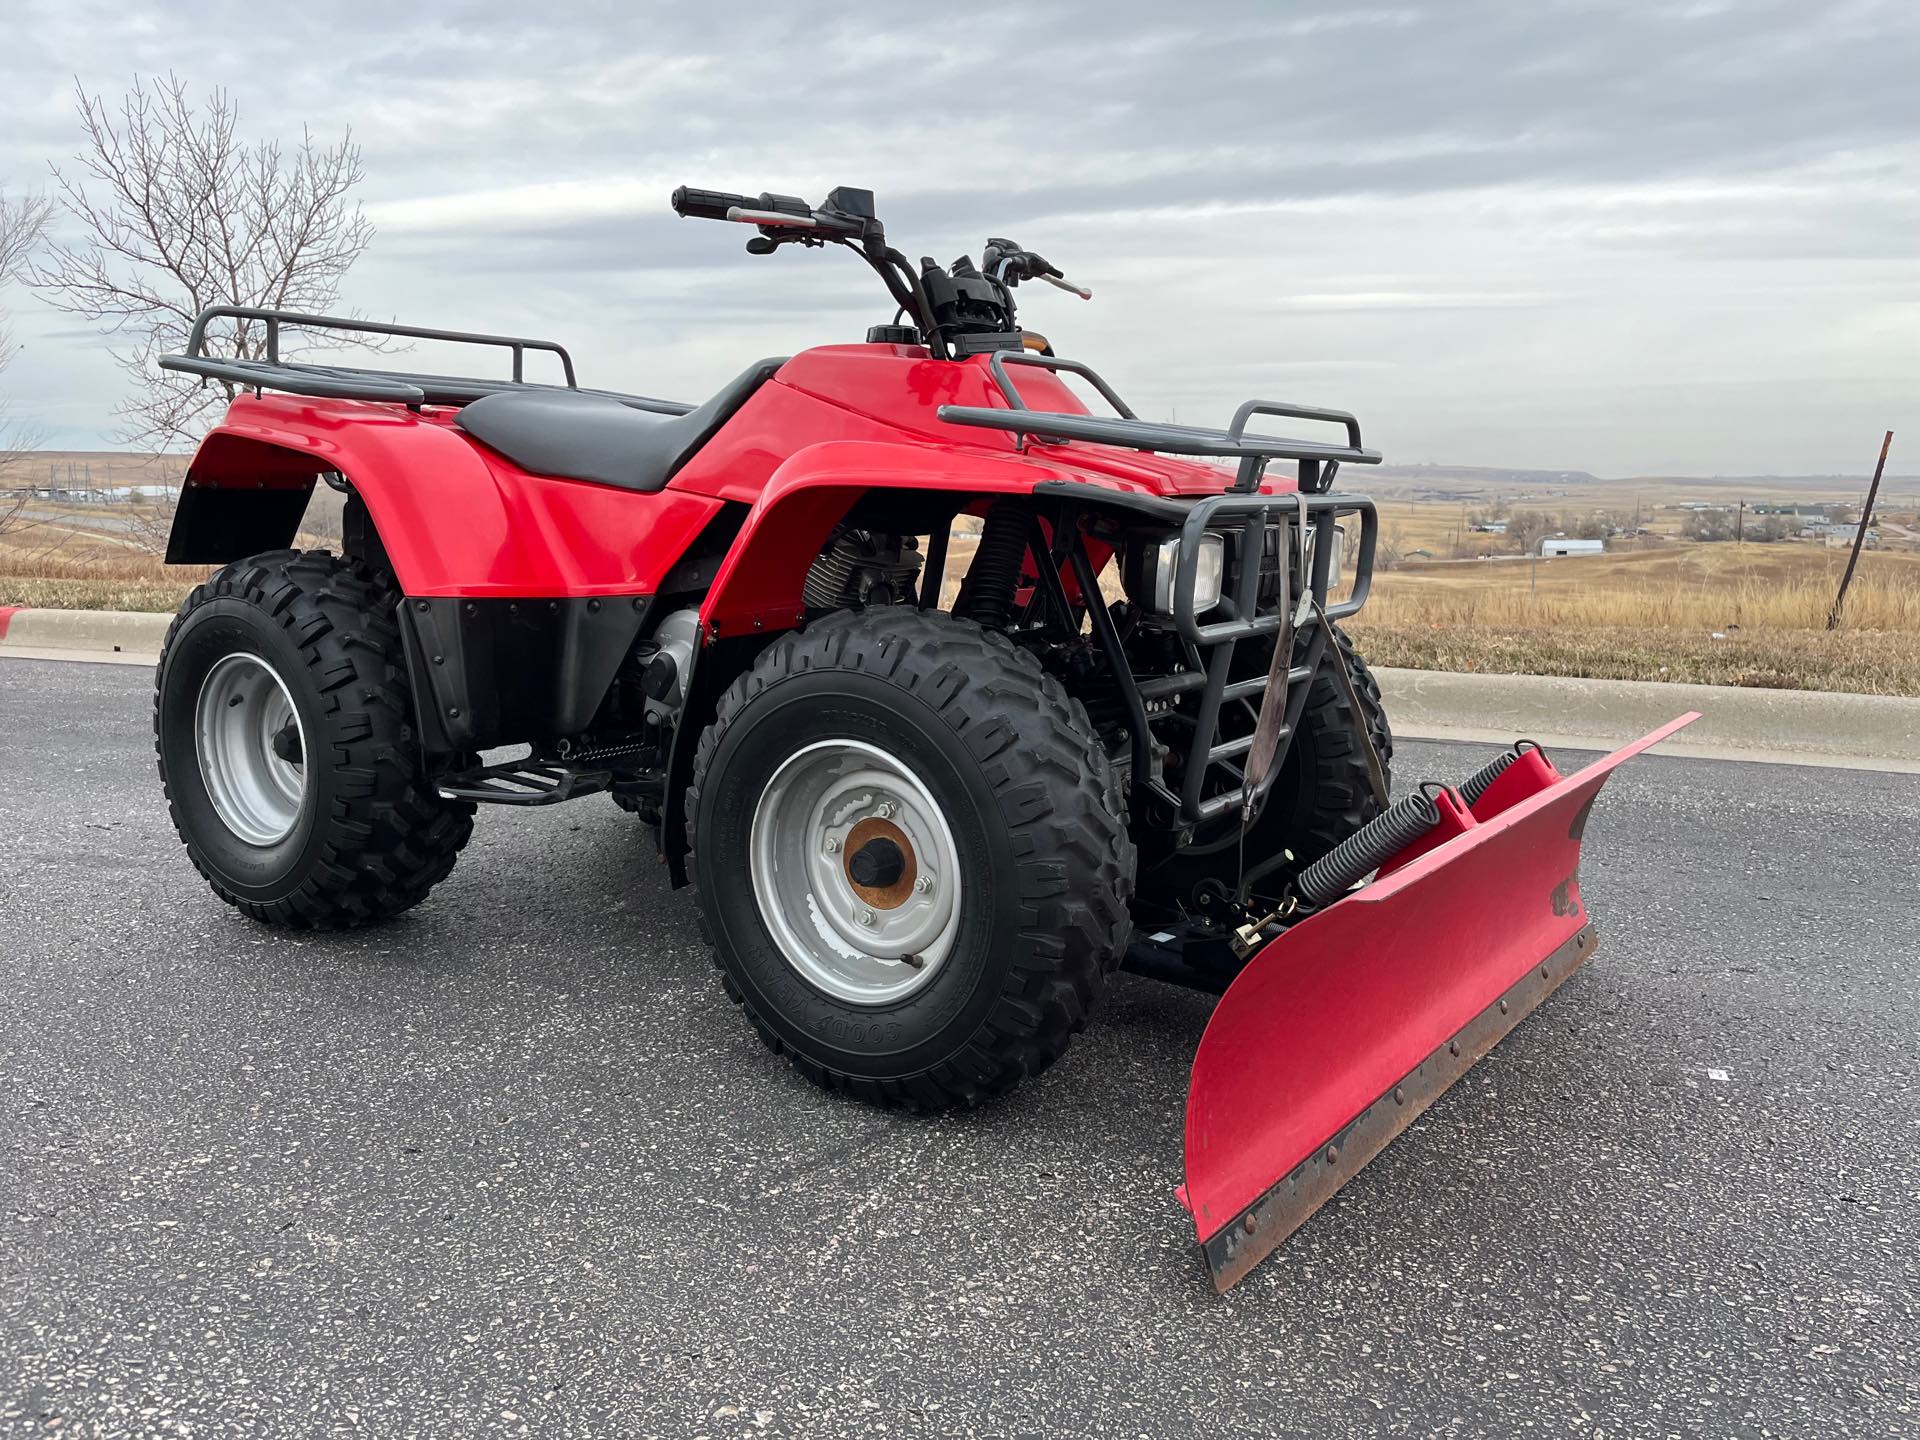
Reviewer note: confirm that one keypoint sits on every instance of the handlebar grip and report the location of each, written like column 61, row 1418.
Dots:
column 709, row 204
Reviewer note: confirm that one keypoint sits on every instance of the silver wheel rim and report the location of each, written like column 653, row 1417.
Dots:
column 867, row 944
column 243, row 707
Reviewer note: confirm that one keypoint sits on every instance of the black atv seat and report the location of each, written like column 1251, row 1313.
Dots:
column 578, row 435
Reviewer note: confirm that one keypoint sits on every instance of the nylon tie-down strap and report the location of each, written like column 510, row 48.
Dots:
column 1273, row 704
column 1273, row 700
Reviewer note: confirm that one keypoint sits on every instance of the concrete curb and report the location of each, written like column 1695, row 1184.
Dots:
column 130, row 636
column 1793, row 727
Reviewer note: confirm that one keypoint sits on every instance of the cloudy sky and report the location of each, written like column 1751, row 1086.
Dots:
column 1633, row 238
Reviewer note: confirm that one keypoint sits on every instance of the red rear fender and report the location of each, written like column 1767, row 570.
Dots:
column 455, row 519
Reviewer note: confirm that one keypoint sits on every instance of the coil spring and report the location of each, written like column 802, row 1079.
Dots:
column 1368, row 848
column 987, row 594
column 1481, row 779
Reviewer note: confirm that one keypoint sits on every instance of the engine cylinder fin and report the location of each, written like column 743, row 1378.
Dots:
column 862, row 567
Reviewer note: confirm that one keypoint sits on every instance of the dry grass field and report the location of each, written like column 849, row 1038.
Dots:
column 1710, row 613
column 91, row 576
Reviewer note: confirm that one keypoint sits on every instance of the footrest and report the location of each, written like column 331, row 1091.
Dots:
column 520, row 782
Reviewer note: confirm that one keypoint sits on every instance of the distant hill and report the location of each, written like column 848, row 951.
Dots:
column 1502, row 478
column 92, row 469
column 1483, row 475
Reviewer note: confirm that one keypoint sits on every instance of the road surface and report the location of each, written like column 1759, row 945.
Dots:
column 514, row 1165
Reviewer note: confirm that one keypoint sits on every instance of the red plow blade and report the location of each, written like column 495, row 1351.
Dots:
column 1340, row 1032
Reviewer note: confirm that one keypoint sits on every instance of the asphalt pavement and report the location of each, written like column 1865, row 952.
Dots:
column 513, row 1164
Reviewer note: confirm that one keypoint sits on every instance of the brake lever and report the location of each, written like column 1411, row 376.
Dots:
column 1062, row 283
column 1009, row 264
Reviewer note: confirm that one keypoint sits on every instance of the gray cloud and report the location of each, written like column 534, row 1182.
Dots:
column 1614, row 236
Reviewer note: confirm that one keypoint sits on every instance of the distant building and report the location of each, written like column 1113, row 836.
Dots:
column 1830, row 529
column 1815, row 512
column 1560, row 545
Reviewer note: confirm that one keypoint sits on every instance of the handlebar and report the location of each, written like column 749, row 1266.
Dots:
column 966, row 303
column 694, row 204
column 780, row 212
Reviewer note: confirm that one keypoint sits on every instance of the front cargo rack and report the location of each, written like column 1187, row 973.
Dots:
column 1297, row 532
column 1319, row 461
column 352, row 382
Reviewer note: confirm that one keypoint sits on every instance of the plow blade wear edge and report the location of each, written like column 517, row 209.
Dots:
column 1341, row 1031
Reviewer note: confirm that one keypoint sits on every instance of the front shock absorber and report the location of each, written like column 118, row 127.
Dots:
column 986, row 595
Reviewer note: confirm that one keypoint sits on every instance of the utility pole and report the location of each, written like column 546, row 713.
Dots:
column 1860, row 535
column 1740, row 523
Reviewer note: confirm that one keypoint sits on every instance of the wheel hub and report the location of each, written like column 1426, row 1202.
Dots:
column 286, row 744
column 856, row 872
column 880, row 863
column 251, row 749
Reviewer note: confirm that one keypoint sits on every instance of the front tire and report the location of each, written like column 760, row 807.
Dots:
column 282, row 722
column 910, row 857
column 1322, row 794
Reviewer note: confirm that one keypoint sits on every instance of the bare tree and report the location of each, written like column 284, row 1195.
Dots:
column 1708, row 525
column 23, row 223
column 1390, row 553
column 178, row 213
column 1527, row 528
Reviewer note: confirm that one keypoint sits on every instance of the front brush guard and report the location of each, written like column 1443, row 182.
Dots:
column 1338, row 1033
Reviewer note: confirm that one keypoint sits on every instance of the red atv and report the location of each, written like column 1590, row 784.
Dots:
column 924, row 827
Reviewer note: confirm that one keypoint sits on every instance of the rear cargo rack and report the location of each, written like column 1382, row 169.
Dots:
column 352, row 382
column 1318, row 460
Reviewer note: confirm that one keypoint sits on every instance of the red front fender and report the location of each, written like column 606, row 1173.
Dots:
column 758, row 586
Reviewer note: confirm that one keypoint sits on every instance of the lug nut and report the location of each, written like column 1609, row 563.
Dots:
column 923, row 885
column 832, row 845
column 866, row 917
column 885, row 812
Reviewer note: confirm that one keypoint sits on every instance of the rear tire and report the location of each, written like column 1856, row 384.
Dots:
column 999, row 797
column 283, row 725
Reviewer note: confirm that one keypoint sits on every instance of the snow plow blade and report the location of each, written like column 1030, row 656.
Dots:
column 1341, row 1031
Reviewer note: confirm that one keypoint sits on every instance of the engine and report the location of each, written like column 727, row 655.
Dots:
column 863, row 567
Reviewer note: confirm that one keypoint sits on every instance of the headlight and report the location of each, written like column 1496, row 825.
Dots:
column 1151, row 566
column 1337, row 564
